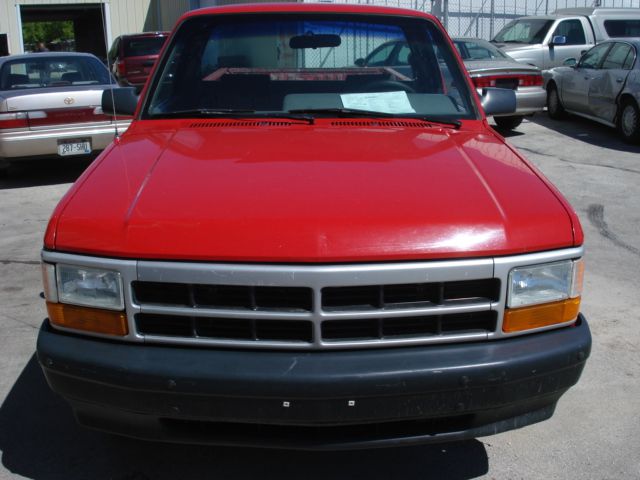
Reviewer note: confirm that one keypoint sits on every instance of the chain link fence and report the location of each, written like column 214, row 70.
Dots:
column 485, row 18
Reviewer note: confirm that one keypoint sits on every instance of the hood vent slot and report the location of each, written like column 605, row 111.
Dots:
column 243, row 123
column 379, row 123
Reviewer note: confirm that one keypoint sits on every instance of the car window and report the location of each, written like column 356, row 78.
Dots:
column 593, row 57
column 283, row 62
column 142, row 46
column 381, row 55
column 617, row 57
column 42, row 71
column 476, row 50
column 572, row 30
column 403, row 55
column 622, row 28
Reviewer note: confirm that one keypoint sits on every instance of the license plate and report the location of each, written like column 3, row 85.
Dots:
column 74, row 148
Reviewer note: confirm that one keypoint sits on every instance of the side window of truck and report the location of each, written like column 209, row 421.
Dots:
column 572, row 30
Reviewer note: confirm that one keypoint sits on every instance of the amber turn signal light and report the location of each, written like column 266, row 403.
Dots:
column 536, row 316
column 88, row 319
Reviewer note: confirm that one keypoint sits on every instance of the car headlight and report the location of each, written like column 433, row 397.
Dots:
column 91, row 287
column 543, row 295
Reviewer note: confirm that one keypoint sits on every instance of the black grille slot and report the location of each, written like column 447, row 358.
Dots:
column 409, row 295
column 222, row 296
column 285, row 299
column 472, row 290
column 411, row 326
column 365, row 329
column 284, row 330
column 165, row 325
column 241, row 329
column 225, row 328
column 469, row 321
column 162, row 293
column 358, row 298
column 407, row 327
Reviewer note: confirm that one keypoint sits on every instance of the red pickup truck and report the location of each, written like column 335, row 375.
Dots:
column 289, row 250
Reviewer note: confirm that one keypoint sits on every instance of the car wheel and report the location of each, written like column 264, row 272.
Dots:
column 554, row 106
column 508, row 123
column 629, row 122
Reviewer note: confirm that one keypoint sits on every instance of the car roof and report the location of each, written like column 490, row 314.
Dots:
column 145, row 34
column 27, row 56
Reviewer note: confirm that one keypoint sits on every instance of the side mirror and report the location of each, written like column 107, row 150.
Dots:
column 558, row 40
column 359, row 62
column 570, row 62
column 498, row 101
column 119, row 101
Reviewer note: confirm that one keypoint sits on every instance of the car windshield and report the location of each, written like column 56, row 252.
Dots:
column 526, row 30
column 478, row 50
column 142, row 46
column 43, row 71
column 256, row 65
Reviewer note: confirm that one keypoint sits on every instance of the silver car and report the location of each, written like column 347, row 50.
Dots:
column 50, row 106
column 603, row 86
column 489, row 66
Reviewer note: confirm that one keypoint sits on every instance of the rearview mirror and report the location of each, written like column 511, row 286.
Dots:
column 570, row 62
column 360, row 62
column 311, row 40
column 498, row 101
column 119, row 101
column 558, row 40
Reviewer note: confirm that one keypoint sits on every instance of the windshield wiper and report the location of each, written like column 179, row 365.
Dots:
column 230, row 113
column 353, row 112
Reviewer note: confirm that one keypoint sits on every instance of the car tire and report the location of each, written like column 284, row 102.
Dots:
column 629, row 121
column 554, row 105
column 508, row 123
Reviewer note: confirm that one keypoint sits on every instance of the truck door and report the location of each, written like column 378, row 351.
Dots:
column 573, row 31
column 574, row 90
column 605, row 87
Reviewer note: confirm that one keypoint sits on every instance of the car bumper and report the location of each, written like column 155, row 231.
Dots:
column 529, row 100
column 318, row 400
column 37, row 143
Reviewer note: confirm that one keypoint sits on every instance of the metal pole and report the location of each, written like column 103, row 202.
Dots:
column 445, row 4
column 492, row 18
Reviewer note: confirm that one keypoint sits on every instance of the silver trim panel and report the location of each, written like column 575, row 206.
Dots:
column 317, row 277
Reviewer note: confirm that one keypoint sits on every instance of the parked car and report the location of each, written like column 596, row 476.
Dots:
column 488, row 66
column 546, row 41
column 50, row 104
column 132, row 57
column 603, row 86
column 285, row 250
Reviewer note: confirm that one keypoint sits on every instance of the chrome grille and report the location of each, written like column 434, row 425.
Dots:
column 309, row 307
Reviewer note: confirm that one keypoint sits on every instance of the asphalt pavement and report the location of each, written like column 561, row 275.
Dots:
column 594, row 434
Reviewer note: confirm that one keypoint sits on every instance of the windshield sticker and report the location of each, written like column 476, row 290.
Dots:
column 383, row 102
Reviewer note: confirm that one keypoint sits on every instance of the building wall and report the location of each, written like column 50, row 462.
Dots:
column 124, row 16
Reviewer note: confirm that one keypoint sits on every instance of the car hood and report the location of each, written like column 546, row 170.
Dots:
column 285, row 192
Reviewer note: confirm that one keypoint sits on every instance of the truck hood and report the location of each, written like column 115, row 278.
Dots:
column 332, row 192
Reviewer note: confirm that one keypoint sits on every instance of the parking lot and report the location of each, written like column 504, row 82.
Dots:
column 593, row 434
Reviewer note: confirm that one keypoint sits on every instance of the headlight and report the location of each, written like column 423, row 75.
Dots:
column 540, row 284
column 543, row 295
column 90, row 287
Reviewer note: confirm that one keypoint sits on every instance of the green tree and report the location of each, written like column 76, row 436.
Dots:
column 34, row 32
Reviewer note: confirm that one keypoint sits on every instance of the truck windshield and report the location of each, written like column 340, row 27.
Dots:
column 526, row 30
column 312, row 64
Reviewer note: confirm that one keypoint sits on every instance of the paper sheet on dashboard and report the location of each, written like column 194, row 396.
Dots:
column 384, row 102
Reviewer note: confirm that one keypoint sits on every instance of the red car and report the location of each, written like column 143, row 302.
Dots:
column 132, row 57
column 288, row 250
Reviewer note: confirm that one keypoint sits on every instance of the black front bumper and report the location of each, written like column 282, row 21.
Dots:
column 314, row 400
